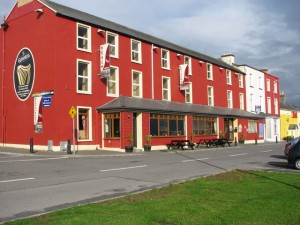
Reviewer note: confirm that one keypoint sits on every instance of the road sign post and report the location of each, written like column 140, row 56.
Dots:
column 72, row 113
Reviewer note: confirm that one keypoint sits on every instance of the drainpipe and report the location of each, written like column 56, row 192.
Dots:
column 2, row 85
column 152, row 71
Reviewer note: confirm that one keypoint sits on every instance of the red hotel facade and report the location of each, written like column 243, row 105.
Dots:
column 54, row 68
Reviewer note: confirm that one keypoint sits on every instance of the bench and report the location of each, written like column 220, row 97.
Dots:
column 214, row 142
column 181, row 144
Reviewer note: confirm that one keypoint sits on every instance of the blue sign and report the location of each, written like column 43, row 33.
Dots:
column 46, row 101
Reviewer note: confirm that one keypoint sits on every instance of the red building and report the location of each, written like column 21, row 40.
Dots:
column 58, row 63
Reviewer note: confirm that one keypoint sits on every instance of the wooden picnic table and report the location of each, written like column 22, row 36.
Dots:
column 181, row 144
column 214, row 142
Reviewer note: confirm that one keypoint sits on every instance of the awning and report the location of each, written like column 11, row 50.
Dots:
column 124, row 103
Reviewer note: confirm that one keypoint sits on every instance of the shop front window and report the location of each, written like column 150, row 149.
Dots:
column 112, row 125
column 167, row 125
column 204, row 125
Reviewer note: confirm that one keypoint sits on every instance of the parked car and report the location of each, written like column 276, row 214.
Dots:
column 294, row 155
column 290, row 144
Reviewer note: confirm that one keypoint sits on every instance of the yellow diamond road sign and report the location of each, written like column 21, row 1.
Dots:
column 72, row 112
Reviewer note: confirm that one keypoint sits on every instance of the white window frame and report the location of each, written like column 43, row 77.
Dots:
column 242, row 101
column 268, row 85
column 250, row 80
column 251, row 103
column 189, row 94
column 139, row 85
column 269, row 105
column 168, row 89
column 276, row 106
column 88, row 39
column 90, row 122
column 188, row 61
column 209, row 68
column 88, row 77
column 229, row 99
column 210, row 96
column 275, row 87
column 228, row 77
column 115, row 45
column 115, row 82
column 165, row 61
column 138, row 51
column 241, row 81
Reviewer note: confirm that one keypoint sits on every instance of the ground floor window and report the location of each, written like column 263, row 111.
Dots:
column 112, row 125
column 252, row 126
column 166, row 125
column 204, row 125
column 84, row 123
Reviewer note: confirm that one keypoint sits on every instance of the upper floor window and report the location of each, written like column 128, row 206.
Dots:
column 188, row 61
column 275, row 87
column 269, row 105
column 165, row 59
column 260, row 83
column 268, row 85
column 83, row 37
column 113, row 41
column 113, row 82
column 209, row 71
column 250, row 80
column 242, row 101
column 84, row 77
column 229, row 99
column 228, row 77
column 137, row 84
column 136, row 51
column 276, row 106
column 188, row 94
column 166, row 92
column 210, row 95
column 241, row 81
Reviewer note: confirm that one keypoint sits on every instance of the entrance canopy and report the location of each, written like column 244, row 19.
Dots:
column 124, row 103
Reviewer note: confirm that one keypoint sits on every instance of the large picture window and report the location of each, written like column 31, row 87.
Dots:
column 204, row 125
column 252, row 126
column 112, row 125
column 167, row 125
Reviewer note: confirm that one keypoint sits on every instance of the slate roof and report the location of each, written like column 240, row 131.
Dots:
column 124, row 103
column 92, row 20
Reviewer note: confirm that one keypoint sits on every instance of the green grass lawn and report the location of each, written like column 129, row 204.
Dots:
column 235, row 197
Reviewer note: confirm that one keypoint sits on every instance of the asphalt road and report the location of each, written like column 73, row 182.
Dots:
column 32, row 185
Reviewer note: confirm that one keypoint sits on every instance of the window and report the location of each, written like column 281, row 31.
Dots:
column 242, row 101
column 250, row 80
column 113, row 40
column 228, row 77
column 112, row 125
column 166, row 92
column 188, row 94
column 188, row 61
column 275, row 87
column 229, row 99
column 260, row 83
column 252, row 126
column 276, row 106
column 83, row 37
column 137, row 84
column 210, row 95
column 165, row 59
column 84, row 77
column 204, row 125
column 136, row 51
column 269, row 105
column 167, row 125
column 84, row 123
column 268, row 85
column 241, row 81
column 251, row 103
column 209, row 71
column 113, row 82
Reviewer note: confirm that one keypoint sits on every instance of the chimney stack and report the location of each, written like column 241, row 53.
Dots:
column 229, row 58
column 282, row 97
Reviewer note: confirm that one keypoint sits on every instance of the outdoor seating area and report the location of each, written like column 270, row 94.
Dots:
column 183, row 144
column 180, row 144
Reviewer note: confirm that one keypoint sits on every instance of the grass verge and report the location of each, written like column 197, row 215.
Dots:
column 234, row 197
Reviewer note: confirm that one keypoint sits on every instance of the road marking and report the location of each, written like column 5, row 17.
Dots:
column 194, row 160
column 24, row 179
column 268, row 151
column 31, row 160
column 239, row 154
column 124, row 168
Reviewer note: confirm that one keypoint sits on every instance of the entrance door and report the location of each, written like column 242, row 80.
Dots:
column 228, row 128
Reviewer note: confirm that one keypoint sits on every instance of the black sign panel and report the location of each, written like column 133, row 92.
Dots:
column 24, row 74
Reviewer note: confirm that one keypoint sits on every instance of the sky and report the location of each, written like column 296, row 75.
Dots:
column 263, row 34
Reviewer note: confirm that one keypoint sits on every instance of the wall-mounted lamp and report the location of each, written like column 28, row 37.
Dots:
column 128, row 116
column 221, row 68
column 178, row 55
column 39, row 11
column 100, row 31
column 201, row 62
column 154, row 47
column 236, row 74
column 4, row 26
